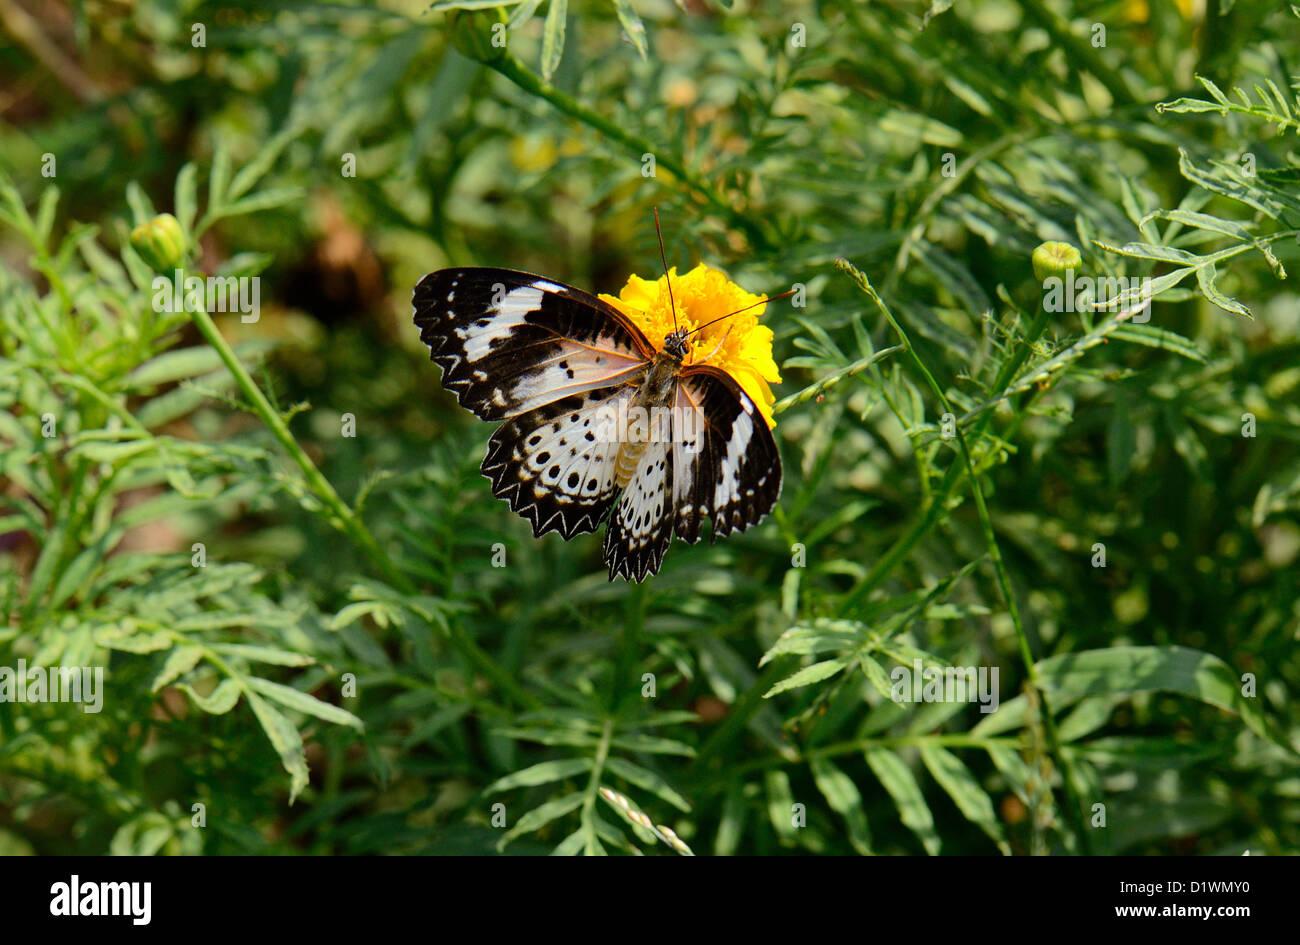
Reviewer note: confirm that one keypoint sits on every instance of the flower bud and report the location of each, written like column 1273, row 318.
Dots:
column 160, row 242
column 479, row 34
column 1055, row 258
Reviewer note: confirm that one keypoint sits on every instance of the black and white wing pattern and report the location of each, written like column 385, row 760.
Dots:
column 552, row 361
column 561, row 369
column 509, row 342
column 555, row 464
column 725, row 462
column 641, row 528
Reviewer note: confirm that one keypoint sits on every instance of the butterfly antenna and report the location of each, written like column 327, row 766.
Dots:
column 667, row 278
column 745, row 309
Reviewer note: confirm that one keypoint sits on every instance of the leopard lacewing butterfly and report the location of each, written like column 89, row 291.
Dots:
column 564, row 370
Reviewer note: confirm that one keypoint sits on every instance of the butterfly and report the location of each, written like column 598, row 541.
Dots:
column 565, row 371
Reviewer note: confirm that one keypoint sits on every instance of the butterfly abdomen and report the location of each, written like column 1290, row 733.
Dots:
column 628, row 456
column 648, row 417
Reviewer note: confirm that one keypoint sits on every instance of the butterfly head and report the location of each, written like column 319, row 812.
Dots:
column 675, row 344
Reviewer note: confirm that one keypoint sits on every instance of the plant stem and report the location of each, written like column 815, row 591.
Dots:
column 1074, row 807
column 593, row 783
column 897, row 552
column 342, row 515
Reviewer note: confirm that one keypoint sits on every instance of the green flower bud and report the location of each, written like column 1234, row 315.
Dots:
column 160, row 242
column 1055, row 258
column 479, row 34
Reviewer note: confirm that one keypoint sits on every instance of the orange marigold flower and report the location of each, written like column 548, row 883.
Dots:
column 738, row 345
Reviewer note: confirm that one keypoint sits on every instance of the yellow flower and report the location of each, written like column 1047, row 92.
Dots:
column 738, row 345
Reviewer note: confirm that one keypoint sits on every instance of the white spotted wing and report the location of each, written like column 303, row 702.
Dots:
column 557, row 365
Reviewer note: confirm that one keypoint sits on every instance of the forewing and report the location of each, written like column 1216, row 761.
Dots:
column 726, row 465
column 555, row 464
column 509, row 342
column 641, row 528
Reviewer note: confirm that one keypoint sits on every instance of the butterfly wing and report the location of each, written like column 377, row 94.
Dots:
column 555, row 464
column 641, row 528
column 726, row 465
column 558, row 364
column 720, row 462
column 510, row 342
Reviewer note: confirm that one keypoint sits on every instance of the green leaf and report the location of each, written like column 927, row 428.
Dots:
column 218, row 177
column 78, row 574
column 936, row 7
column 138, row 643
column 1190, row 106
column 179, row 662
column 1088, row 716
column 1176, row 669
column 263, row 200
column 845, row 799
column 284, row 739
column 442, row 6
column 914, row 126
column 877, row 676
column 45, row 210
column 186, row 199
column 731, row 824
column 647, row 780
column 1131, row 669
column 141, row 206
column 780, row 803
column 539, row 817
column 303, row 702
column 256, row 169
column 635, row 741
column 807, row 640
column 553, row 37
column 1121, row 441
column 573, row 844
column 523, row 13
column 808, row 675
column 543, row 773
column 1204, row 221
column 220, row 701
column 175, row 365
column 902, row 786
column 1014, row 769
column 1205, row 279
column 960, row 784
column 264, row 654
column 1164, row 254
column 1150, row 336
column 632, row 25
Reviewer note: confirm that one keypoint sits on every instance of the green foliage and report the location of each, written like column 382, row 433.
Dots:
column 312, row 634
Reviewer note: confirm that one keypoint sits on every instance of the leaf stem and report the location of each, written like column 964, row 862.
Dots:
column 593, row 784
column 1074, row 807
column 342, row 515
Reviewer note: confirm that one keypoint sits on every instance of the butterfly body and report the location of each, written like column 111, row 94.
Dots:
column 599, row 424
column 653, row 397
